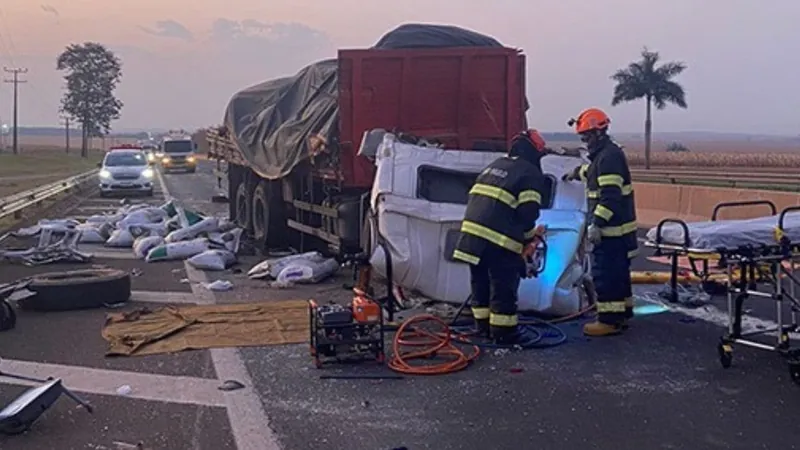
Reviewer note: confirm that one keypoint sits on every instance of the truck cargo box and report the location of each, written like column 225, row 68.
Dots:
column 433, row 81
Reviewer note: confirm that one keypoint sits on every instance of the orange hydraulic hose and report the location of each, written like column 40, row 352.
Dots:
column 413, row 342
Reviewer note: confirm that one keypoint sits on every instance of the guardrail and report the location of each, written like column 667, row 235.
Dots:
column 15, row 203
column 755, row 179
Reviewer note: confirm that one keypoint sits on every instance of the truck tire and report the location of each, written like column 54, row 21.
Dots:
column 77, row 289
column 243, row 205
column 8, row 317
column 268, row 215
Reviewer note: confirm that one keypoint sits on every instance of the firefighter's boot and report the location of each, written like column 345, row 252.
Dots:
column 482, row 328
column 628, row 313
column 518, row 336
column 600, row 329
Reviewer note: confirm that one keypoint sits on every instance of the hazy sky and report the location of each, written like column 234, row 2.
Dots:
column 183, row 59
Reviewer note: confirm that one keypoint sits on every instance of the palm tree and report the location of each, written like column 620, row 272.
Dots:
column 643, row 79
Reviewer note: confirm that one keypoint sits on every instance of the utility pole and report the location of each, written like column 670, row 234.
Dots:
column 66, row 132
column 15, row 81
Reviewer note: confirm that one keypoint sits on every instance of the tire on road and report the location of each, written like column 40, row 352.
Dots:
column 268, row 214
column 8, row 317
column 77, row 289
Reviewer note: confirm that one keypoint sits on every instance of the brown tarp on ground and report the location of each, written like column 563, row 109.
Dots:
column 173, row 329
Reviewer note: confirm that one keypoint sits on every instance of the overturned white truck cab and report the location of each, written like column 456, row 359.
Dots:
column 418, row 201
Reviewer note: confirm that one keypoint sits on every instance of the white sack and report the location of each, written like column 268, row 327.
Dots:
column 207, row 225
column 177, row 250
column 121, row 238
column 143, row 245
column 212, row 260
column 305, row 271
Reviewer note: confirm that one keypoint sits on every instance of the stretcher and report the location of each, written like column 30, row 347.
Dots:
column 759, row 257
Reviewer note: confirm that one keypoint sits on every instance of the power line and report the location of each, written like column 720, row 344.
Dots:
column 16, row 71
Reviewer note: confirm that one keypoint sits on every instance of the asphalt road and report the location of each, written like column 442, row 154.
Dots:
column 659, row 386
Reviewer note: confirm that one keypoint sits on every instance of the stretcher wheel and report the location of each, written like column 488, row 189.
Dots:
column 794, row 371
column 725, row 352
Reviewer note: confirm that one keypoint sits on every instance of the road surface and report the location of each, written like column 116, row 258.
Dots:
column 658, row 387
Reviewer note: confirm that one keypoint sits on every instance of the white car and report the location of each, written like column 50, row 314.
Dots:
column 126, row 171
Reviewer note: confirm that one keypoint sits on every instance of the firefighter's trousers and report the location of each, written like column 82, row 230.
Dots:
column 611, row 273
column 495, row 282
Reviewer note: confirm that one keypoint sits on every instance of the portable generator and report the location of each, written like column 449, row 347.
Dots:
column 346, row 333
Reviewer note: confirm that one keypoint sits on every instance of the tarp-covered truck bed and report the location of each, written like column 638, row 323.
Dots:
column 418, row 79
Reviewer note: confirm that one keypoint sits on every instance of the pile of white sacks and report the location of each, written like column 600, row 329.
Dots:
column 164, row 233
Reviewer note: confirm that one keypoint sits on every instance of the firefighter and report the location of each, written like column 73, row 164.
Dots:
column 612, row 222
column 498, row 231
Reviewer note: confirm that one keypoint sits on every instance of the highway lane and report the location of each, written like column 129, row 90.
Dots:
column 659, row 386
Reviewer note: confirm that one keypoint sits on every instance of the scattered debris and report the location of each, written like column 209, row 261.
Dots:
column 219, row 285
column 58, row 242
column 212, row 260
column 230, row 385
column 124, row 390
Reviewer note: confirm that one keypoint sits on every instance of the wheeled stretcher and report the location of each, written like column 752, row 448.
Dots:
column 759, row 257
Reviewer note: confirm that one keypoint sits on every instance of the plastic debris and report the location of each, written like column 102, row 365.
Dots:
column 124, row 390
column 219, row 285
column 230, row 385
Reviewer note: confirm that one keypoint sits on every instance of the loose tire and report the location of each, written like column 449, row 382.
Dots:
column 8, row 317
column 78, row 289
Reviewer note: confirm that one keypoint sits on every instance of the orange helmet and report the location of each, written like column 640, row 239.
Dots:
column 533, row 137
column 589, row 120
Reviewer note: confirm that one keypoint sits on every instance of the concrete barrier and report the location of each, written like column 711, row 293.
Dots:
column 656, row 201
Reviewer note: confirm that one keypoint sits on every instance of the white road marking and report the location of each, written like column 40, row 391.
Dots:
column 248, row 420
column 145, row 386
column 163, row 297
column 102, row 252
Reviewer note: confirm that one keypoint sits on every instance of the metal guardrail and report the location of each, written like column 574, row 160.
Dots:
column 755, row 179
column 15, row 203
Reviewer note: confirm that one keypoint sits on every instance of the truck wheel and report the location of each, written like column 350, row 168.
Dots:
column 242, row 201
column 77, row 289
column 268, row 215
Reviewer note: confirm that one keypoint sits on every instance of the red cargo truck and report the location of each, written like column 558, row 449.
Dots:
column 306, row 179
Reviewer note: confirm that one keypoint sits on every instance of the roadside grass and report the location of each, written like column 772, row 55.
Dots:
column 41, row 165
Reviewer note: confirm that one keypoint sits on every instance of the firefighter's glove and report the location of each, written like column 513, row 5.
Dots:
column 593, row 234
column 574, row 175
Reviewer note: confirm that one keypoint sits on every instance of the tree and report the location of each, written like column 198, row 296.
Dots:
column 92, row 74
column 645, row 79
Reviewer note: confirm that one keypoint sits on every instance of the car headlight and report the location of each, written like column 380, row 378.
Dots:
column 151, row 157
column 148, row 173
column 105, row 174
column 165, row 161
column 190, row 159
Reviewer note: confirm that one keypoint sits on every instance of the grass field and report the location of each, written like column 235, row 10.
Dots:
column 35, row 166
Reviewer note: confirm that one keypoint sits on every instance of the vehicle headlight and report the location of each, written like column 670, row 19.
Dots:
column 148, row 173
column 151, row 157
column 105, row 174
column 165, row 161
column 190, row 159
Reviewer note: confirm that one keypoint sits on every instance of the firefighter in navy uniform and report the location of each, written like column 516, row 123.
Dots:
column 612, row 222
column 498, row 231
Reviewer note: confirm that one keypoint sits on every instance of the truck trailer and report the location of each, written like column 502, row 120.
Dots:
column 289, row 147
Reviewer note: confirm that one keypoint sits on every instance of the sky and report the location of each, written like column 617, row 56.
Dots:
column 184, row 59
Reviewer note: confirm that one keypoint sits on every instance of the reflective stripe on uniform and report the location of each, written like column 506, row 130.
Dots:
column 494, row 192
column 610, row 180
column 480, row 312
column 503, row 320
column 611, row 307
column 530, row 234
column 603, row 212
column 583, row 171
column 490, row 235
column 528, row 197
column 618, row 231
column 466, row 257
column 628, row 302
column 627, row 189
